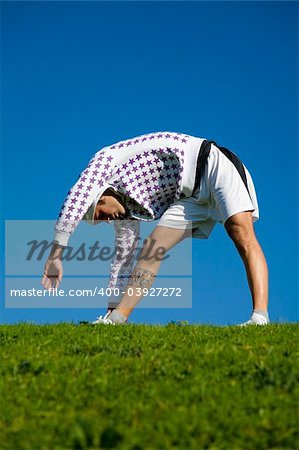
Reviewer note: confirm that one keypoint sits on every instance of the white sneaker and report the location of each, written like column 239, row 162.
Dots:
column 103, row 320
column 255, row 319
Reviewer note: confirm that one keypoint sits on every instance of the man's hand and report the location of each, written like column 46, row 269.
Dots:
column 53, row 270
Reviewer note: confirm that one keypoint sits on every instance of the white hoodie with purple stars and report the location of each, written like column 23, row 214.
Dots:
column 151, row 171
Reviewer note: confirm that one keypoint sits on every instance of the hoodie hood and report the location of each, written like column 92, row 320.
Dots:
column 89, row 215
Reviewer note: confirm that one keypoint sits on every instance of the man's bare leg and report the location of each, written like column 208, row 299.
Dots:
column 146, row 270
column 240, row 229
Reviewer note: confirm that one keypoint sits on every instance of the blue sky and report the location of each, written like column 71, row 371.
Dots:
column 77, row 76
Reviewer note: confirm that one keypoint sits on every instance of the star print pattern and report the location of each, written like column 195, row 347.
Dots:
column 126, row 241
column 150, row 179
column 147, row 170
column 81, row 195
column 177, row 137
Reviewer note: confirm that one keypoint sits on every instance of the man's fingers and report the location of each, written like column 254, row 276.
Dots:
column 44, row 280
column 59, row 278
column 51, row 282
column 48, row 284
column 57, row 282
column 48, row 281
column 52, row 275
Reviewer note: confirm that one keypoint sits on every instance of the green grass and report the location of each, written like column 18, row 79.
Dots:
column 149, row 387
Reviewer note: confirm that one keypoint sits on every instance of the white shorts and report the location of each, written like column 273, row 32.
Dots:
column 222, row 194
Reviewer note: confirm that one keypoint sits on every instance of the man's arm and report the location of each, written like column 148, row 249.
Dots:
column 53, row 270
column 81, row 196
column 126, row 241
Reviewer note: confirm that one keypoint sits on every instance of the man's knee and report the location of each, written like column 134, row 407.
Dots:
column 240, row 230
column 241, row 239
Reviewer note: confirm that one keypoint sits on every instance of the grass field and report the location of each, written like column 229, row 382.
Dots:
column 143, row 387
